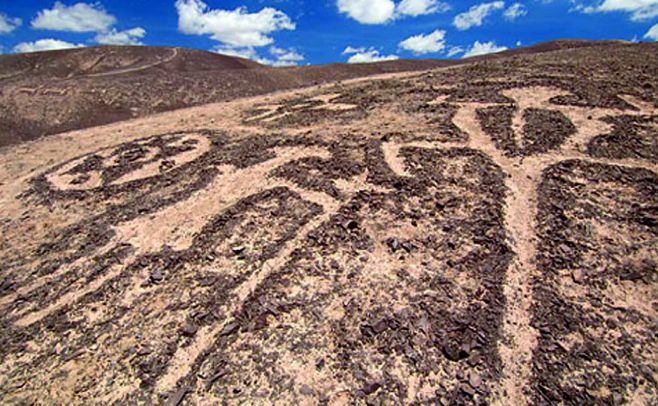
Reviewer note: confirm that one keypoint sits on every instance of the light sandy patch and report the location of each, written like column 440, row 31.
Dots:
column 176, row 225
column 327, row 103
column 335, row 107
column 439, row 100
column 358, row 183
column 168, row 58
column 270, row 109
column 521, row 339
column 644, row 107
column 64, row 181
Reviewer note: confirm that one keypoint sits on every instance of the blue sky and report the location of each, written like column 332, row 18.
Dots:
column 286, row 32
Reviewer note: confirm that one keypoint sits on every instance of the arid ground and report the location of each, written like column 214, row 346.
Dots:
column 484, row 233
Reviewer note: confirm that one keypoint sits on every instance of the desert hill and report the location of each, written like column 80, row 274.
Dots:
column 45, row 93
column 481, row 233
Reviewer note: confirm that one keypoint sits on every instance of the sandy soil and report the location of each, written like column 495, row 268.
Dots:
column 470, row 235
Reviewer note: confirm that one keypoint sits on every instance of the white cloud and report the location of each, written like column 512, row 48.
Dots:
column 285, row 57
column 9, row 24
column 640, row 10
column 235, row 28
column 80, row 17
column 365, row 55
column 425, row 44
column 455, row 51
column 515, row 11
column 483, row 48
column 415, row 8
column 652, row 33
column 368, row 11
column 476, row 15
column 127, row 37
column 47, row 44
column 383, row 11
column 83, row 17
column 280, row 56
column 245, row 52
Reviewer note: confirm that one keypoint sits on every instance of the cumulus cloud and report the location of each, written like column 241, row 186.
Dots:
column 640, row 10
column 652, row 33
column 368, row 11
column 483, row 48
column 515, row 11
column 425, row 44
column 285, row 57
column 279, row 56
column 9, row 24
column 80, row 17
column 127, row 37
column 234, row 28
column 47, row 44
column 83, row 17
column 455, row 51
column 476, row 15
column 365, row 55
column 244, row 52
column 383, row 11
column 415, row 8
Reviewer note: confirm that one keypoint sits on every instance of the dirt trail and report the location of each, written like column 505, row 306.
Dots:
column 174, row 54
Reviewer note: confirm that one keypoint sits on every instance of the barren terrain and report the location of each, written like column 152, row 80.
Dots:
column 485, row 233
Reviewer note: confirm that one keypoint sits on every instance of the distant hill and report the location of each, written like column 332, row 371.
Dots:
column 44, row 93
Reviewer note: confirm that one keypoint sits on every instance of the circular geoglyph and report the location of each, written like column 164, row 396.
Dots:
column 127, row 162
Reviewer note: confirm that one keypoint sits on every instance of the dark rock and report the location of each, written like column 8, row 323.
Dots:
column 229, row 329
column 144, row 351
column 380, row 326
column 577, row 276
column 424, row 324
column 393, row 243
column 455, row 352
column 190, row 330
column 319, row 363
column 177, row 397
column 351, row 225
column 156, row 276
column 467, row 389
column 371, row 388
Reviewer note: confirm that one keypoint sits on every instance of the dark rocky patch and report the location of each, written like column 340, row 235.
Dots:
column 634, row 137
column 591, row 349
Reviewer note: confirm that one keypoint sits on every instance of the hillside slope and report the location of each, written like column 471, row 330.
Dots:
column 49, row 92
column 480, row 234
